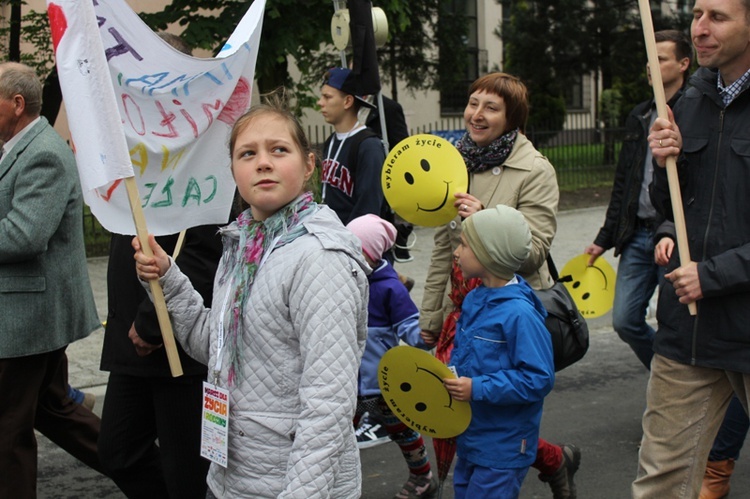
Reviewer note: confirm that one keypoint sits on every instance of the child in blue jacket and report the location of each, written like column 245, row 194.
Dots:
column 503, row 357
column 392, row 316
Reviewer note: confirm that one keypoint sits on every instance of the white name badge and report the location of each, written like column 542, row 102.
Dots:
column 215, row 424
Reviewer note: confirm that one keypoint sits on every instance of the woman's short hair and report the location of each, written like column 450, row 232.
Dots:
column 514, row 93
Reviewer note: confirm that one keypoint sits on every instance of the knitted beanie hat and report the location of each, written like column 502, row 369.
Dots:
column 377, row 235
column 500, row 239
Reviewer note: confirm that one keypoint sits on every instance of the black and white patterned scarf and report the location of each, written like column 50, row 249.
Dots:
column 479, row 159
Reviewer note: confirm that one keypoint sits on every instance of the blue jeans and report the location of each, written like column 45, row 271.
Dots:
column 76, row 395
column 637, row 277
column 732, row 433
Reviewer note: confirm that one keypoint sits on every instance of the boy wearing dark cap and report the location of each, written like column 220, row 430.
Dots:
column 502, row 355
column 353, row 155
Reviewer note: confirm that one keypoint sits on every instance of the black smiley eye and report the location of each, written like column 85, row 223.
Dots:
column 576, row 284
column 425, row 165
column 405, row 387
column 421, row 407
column 409, row 178
column 586, row 296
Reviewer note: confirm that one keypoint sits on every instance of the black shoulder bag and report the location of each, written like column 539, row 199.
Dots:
column 566, row 325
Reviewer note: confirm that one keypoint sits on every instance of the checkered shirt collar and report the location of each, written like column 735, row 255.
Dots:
column 729, row 93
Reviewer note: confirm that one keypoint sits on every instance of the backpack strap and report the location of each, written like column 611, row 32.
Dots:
column 385, row 213
column 355, row 141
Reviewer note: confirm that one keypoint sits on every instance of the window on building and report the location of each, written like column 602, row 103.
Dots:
column 574, row 94
column 460, row 19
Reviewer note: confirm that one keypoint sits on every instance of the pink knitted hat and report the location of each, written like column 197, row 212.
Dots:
column 377, row 235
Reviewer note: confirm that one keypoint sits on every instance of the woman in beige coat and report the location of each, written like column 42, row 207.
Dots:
column 504, row 168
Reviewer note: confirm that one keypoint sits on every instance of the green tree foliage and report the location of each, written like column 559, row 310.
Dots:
column 548, row 43
column 32, row 28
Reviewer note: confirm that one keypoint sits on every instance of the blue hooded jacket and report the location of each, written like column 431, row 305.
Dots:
column 503, row 345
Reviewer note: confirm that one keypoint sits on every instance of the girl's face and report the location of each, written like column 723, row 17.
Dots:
column 268, row 166
column 485, row 117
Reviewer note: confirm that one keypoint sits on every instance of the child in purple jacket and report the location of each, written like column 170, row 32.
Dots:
column 392, row 316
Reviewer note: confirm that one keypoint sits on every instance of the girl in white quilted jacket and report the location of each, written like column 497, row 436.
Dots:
column 288, row 327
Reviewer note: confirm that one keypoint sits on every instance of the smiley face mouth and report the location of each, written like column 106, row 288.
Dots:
column 445, row 200
column 450, row 397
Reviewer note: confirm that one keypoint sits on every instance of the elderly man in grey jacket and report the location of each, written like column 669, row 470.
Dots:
column 45, row 294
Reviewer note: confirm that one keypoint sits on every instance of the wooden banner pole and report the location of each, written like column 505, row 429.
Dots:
column 178, row 246
column 161, row 306
column 661, row 110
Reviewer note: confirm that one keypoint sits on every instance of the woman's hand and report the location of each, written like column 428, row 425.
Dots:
column 429, row 337
column 467, row 204
column 150, row 267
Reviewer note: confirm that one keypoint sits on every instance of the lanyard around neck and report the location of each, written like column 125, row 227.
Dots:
column 333, row 160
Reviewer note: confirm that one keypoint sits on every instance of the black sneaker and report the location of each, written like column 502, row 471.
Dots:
column 401, row 255
column 561, row 483
column 370, row 433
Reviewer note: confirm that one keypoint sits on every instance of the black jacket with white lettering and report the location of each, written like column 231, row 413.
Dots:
column 351, row 176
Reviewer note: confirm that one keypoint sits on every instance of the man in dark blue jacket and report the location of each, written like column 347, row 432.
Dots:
column 700, row 361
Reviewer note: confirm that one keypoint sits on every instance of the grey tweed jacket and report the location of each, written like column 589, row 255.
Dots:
column 45, row 293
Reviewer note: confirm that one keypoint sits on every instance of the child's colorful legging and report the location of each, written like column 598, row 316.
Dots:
column 409, row 441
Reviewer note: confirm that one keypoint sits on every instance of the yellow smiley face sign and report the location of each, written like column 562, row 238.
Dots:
column 411, row 381
column 592, row 288
column 420, row 177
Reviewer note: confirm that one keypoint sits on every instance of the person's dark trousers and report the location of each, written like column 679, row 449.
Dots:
column 33, row 394
column 139, row 410
column 732, row 433
column 403, row 231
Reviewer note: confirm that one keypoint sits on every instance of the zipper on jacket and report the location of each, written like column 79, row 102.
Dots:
column 694, row 353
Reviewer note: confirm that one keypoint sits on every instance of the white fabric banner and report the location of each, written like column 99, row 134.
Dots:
column 138, row 107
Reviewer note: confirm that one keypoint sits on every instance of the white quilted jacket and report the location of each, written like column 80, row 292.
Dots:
column 290, row 428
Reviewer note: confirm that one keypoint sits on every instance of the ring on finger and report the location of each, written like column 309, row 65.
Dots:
column 660, row 143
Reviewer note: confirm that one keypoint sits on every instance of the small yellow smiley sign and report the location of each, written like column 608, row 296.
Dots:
column 411, row 381
column 592, row 288
column 420, row 177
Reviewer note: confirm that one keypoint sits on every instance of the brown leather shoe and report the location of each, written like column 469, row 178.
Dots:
column 716, row 479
